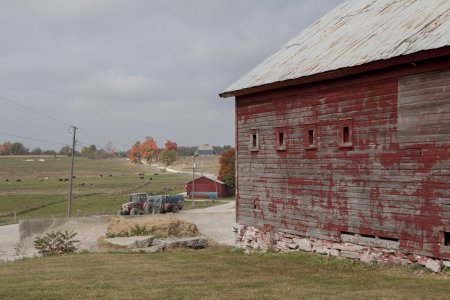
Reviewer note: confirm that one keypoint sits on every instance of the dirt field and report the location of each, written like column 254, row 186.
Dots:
column 204, row 164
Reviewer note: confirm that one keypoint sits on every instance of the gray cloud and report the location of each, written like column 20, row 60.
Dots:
column 123, row 70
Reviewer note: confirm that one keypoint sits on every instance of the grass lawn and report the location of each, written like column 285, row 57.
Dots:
column 100, row 186
column 213, row 273
column 203, row 204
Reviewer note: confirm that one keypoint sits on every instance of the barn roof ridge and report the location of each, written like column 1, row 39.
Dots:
column 209, row 176
column 355, row 33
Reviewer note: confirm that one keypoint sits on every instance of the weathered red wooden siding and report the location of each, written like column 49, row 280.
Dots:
column 393, row 183
column 204, row 184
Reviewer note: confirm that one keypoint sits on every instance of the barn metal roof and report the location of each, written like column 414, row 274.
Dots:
column 356, row 32
column 211, row 177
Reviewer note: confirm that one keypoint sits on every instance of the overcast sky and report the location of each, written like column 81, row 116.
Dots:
column 121, row 70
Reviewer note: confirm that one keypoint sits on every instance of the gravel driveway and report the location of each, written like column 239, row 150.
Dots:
column 214, row 222
column 9, row 238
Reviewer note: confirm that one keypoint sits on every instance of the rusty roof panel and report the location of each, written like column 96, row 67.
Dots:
column 356, row 32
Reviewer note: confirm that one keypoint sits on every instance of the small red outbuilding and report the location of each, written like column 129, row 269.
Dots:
column 206, row 187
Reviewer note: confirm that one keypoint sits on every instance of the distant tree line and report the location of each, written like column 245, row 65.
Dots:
column 186, row 150
column 190, row 150
column 221, row 149
column 16, row 148
column 147, row 150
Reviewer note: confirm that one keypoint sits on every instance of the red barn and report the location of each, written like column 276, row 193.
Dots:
column 342, row 136
column 206, row 187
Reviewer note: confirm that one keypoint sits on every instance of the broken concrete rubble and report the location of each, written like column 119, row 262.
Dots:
column 434, row 265
column 150, row 244
column 197, row 242
column 254, row 239
column 303, row 244
column 349, row 254
column 132, row 242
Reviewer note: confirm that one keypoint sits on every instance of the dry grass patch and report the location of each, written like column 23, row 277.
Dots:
column 204, row 164
column 102, row 243
column 213, row 273
column 160, row 226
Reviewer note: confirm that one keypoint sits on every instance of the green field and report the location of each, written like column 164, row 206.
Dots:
column 100, row 186
column 214, row 273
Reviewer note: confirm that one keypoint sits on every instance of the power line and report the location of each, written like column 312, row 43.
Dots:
column 33, row 139
column 50, row 117
column 35, row 111
column 79, row 143
column 82, row 144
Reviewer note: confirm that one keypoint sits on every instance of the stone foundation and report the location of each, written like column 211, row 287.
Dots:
column 264, row 239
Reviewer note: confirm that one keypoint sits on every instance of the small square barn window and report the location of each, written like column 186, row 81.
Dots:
column 346, row 133
column 310, row 136
column 281, row 139
column 447, row 238
column 254, row 140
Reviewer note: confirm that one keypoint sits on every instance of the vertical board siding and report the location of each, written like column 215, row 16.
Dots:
column 394, row 182
column 204, row 184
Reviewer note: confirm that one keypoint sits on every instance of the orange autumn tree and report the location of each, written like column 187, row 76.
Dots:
column 5, row 149
column 134, row 154
column 148, row 148
column 227, row 168
column 170, row 146
column 169, row 154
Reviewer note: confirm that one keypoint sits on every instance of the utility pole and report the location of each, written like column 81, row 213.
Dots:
column 69, row 205
column 193, row 181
